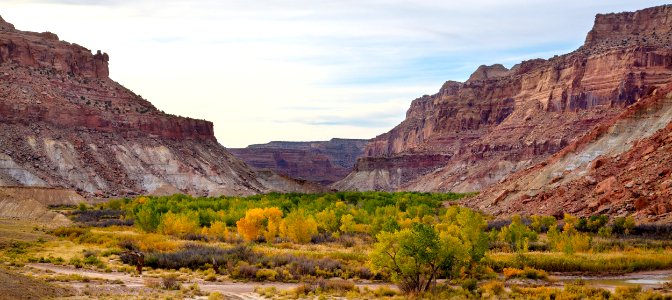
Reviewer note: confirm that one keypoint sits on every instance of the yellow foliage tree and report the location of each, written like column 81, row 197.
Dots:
column 347, row 223
column 258, row 222
column 274, row 216
column 249, row 227
column 298, row 227
column 327, row 220
column 178, row 224
column 217, row 229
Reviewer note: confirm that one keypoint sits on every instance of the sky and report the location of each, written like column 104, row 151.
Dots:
column 305, row 70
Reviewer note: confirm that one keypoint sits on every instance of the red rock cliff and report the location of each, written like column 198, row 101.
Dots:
column 500, row 120
column 620, row 167
column 65, row 123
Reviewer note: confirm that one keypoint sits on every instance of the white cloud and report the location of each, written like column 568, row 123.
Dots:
column 306, row 69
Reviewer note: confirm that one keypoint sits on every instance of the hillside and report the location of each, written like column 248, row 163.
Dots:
column 64, row 123
column 622, row 167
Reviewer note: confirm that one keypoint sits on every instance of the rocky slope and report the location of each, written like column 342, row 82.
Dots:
column 622, row 167
column 323, row 162
column 65, row 123
column 25, row 203
column 470, row 135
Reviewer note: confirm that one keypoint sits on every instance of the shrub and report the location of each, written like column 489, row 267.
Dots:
column 245, row 271
column 512, row 272
column 363, row 273
column 76, row 262
column 531, row 273
column 194, row 256
column 152, row 283
column 605, row 232
column 92, row 260
column 210, row 275
column 101, row 218
column 216, row 296
column 70, row 232
column 155, row 242
column 170, row 282
column 469, row 284
column 336, row 285
column 384, row 291
column 492, row 288
column 266, row 274
column 623, row 225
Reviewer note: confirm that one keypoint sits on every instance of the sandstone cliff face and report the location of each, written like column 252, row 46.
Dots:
column 322, row 162
column 621, row 167
column 501, row 121
column 64, row 123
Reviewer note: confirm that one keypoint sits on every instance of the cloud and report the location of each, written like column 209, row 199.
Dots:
column 306, row 69
column 367, row 120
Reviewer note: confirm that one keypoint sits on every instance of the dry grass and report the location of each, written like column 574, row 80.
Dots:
column 18, row 230
column 607, row 262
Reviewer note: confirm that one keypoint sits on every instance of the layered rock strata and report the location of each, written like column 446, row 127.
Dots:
column 322, row 162
column 65, row 123
column 621, row 167
column 501, row 121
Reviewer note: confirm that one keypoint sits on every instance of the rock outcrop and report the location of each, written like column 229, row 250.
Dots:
column 500, row 121
column 65, row 123
column 323, row 162
column 621, row 167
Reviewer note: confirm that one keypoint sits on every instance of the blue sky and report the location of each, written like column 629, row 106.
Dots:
column 307, row 69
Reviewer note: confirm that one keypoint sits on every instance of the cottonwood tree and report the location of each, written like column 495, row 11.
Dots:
column 416, row 257
column 298, row 227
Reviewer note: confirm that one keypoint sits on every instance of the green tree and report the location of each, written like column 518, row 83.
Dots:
column 517, row 234
column 469, row 227
column 542, row 224
column 416, row 257
column 147, row 219
column 569, row 240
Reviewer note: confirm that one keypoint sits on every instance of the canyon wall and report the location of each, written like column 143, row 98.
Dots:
column 501, row 121
column 621, row 167
column 64, row 123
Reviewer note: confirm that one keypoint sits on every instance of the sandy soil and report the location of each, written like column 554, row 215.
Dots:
column 17, row 286
column 134, row 283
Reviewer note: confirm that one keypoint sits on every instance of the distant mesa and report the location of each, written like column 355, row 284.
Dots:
column 323, row 162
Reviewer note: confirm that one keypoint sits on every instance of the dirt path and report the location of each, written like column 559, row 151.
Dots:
column 231, row 289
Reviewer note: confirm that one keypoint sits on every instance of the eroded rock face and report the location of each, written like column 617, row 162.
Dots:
column 501, row 121
column 621, row 167
column 322, row 162
column 65, row 123
column 44, row 50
